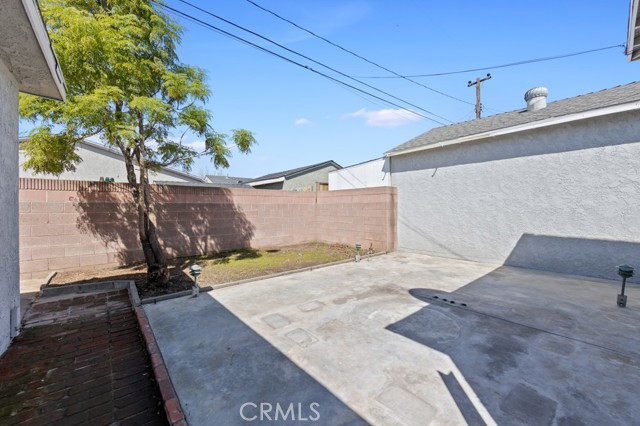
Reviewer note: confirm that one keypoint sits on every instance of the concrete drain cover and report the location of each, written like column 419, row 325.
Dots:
column 276, row 321
column 310, row 306
column 409, row 408
column 301, row 337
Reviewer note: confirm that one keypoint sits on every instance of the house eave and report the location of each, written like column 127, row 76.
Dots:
column 40, row 31
column 631, row 106
column 313, row 169
column 633, row 32
column 266, row 181
column 27, row 51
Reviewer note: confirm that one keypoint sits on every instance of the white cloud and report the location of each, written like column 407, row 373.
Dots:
column 197, row 145
column 385, row 117
column 303, row 122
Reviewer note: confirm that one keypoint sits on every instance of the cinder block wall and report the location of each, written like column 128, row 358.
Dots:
column 67, row 225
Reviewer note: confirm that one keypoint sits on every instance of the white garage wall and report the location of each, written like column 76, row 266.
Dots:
column 98, row 162
column 364, row 175
column 564, row 198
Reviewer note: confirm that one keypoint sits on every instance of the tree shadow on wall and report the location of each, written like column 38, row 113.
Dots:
column 191, row 221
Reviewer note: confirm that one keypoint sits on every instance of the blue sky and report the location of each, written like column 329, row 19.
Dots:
column 300, row 118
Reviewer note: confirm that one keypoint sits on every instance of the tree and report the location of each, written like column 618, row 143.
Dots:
column 126, row 86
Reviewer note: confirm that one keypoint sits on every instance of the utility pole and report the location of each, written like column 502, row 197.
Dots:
column 477, row 84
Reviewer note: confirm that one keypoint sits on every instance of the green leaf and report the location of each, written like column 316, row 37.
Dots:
column 49, row 153
column 125, row 85
column 244, row 140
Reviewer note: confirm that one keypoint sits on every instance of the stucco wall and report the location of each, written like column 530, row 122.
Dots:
column 9, row 271
column 365, row 175
column 307, row 181
column 66, row 225
column 564, row 198
column 97, row 163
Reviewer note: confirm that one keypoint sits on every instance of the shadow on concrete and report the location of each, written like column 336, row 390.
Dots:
column 588, row 257
column 536, row 348
column 467, row 409
column 212, row 224
column 215, row 373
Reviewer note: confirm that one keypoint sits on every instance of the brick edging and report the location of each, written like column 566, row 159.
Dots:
column 170, row 401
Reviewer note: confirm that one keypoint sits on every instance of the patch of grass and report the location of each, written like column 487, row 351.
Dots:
column 250, row 263
column 217, row 268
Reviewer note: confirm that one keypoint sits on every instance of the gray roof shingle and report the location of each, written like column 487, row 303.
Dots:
column 228, row 181
column 288, row 173
column 591, row 101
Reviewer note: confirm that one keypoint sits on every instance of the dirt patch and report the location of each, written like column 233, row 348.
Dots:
column 217, row 268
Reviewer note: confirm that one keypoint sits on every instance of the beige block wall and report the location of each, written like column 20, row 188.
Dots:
column 67, row 225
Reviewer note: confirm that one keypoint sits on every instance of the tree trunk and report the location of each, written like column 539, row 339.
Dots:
column 157, row 268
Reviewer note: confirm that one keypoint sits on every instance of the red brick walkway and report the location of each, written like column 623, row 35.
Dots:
column 79, row 361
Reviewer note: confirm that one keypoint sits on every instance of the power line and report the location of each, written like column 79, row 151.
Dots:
column 355, row 92
column 308, row 58
column 512, row 64
column 356, row 55
column 240, row 39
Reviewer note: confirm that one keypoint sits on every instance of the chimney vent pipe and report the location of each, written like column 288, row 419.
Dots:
column 536, row 98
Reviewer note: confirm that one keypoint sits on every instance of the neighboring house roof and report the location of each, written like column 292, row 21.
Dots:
column 633, row 32
column 27, row 52
column 609, row 101
column 107, row 150
column 288, row 174
column 227, row 181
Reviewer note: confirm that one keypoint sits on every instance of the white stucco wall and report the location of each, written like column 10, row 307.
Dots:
column 9, row 266
column 97, row 163
column 564, row 198
column 365, row 175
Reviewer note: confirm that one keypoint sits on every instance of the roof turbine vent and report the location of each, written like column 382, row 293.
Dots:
column 536, row 98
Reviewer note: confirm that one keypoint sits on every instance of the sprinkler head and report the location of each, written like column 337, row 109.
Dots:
column 625, row 271
column 195, row 270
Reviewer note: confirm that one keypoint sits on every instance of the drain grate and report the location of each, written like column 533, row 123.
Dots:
column 452, row 302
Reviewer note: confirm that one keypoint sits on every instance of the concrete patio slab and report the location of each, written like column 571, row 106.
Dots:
column 406, row 339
